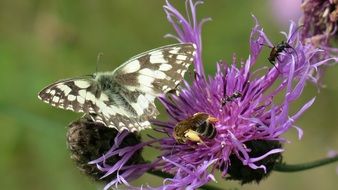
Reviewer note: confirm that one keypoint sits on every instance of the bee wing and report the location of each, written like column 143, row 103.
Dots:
column 199, row 118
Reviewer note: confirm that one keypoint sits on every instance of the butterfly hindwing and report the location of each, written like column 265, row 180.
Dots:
column 78, row 95
column 83, row 95
column 121, row 122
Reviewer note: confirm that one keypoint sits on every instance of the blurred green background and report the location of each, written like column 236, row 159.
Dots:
column 42, row 41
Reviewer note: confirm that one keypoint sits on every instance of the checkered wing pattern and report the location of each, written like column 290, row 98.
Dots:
column 124, row 99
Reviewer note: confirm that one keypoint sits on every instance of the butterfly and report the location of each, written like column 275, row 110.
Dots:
column 124, row 98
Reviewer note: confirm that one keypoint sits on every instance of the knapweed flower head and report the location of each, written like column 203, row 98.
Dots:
column 251, row 110
column 320, row 21
column 88, row 140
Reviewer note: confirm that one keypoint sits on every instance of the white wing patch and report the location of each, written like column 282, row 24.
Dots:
column 165, row 67
column 82, row 83
column 157, row 57
column 66, row 89
column 145, row 80
column 71, row 97
column 131, row 67
column 175, row 50
column 152, row 73
column 181, row 57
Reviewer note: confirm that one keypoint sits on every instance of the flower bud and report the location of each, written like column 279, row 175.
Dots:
column 88, row 140
column 245, row 174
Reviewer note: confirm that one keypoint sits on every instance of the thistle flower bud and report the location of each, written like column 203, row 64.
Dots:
column 245, row 174
column 88, row 140
column 320, row 21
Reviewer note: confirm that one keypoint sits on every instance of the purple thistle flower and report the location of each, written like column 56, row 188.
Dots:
column 320, row 25
column 188, row 30
column 254, row 117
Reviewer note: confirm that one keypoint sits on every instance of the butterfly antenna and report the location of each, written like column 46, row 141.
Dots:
column 99, row 56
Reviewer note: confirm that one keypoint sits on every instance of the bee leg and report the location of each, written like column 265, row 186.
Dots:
column 198, row 113
column 192, row 136
column 213, row 119
column 274, row 63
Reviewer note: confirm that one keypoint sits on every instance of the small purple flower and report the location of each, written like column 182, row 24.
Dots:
column 320, row 25
column 320, row 21
column 256, row 118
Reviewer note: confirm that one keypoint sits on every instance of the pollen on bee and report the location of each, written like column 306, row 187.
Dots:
column 193, row 136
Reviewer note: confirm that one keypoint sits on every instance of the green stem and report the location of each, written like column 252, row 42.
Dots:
column 282, row 167
column 166, row 175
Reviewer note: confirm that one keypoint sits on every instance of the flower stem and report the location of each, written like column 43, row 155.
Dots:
column 166, row 175
column 282, row 167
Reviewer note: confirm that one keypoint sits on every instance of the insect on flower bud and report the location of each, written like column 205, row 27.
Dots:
column 245, row 174
column 88, row 140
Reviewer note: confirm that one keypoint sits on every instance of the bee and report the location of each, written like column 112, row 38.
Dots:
column 195, row 128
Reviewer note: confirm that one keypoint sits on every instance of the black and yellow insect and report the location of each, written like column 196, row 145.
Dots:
column 195, row 128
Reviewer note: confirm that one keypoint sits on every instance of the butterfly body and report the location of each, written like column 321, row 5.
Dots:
column 124, row 98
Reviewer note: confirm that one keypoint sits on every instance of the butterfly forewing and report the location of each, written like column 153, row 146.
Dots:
column 157, row 71
column 124, row 98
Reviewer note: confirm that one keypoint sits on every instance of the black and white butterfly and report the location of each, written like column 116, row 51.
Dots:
column 124, row 98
